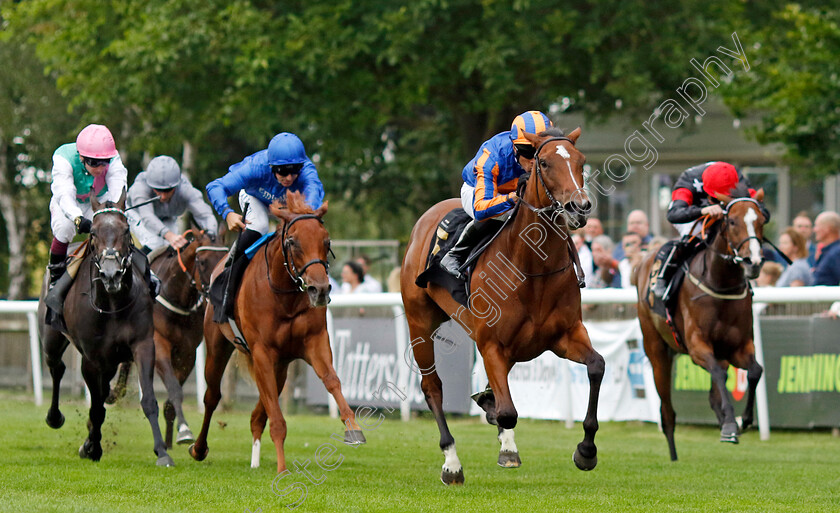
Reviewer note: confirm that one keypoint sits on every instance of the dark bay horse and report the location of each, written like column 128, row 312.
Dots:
column 713, row 317
column 280, row 310
column 179, row 320
column 108, row 315
column 525, row 297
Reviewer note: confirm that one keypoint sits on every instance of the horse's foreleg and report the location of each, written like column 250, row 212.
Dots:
column 706, row 359
column 319, row 356
column 265, row 367
column 118, row 392
column 258, row 420
column 173, row 407
column 745, row 359
column 54, row 345
column 577, row 347
column 97, row 384
column 218, row 354
column 144, row 355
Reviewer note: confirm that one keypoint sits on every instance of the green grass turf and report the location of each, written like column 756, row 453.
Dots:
column 399, row 468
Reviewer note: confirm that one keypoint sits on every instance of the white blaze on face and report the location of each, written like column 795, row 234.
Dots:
column 755, row 247
column 563, row 152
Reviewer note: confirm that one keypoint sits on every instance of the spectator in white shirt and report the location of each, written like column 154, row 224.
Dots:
column 371, row 284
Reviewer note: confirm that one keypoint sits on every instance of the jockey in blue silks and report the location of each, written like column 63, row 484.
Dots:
column 260, row 179
column 490, row 180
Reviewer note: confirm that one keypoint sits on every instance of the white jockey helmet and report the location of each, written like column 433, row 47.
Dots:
column 163, row 173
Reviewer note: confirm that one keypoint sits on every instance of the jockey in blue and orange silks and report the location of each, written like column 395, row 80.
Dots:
column 490, row 180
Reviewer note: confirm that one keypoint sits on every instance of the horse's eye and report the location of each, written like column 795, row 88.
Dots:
column 543, row 163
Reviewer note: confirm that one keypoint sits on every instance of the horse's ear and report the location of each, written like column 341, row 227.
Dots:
column 280, row 210
column 723, row 198
column 121, row 201
column 574, row 135
column 759, row 195
column 94, row 203
column 534, row 139
column 322, row 210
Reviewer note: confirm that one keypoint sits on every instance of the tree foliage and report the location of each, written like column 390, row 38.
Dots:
column 794, row 83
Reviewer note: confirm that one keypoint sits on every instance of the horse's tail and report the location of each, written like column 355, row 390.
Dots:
column 244, row 360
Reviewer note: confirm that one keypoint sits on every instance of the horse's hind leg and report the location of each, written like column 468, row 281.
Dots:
column 258, row 420
column 144, row 355
column 118, row 392
column 319, row 355
column 266, row 365
column 218, row 354
column 576, row 346
column 54, row 345
column 661, row 360
column 421, row 328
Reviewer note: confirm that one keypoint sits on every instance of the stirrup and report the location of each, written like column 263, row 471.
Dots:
column 451, row 265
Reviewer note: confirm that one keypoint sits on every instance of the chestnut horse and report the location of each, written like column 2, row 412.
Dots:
column 179, row 317
column 713, row 318
column 281, row 312
column 540, row 312
column 108, row 316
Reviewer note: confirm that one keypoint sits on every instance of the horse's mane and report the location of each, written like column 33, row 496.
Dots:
column 295, row 203
column 740, row 191
column 552, row 132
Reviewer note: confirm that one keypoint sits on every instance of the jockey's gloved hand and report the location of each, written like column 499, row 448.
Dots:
column 83, row 225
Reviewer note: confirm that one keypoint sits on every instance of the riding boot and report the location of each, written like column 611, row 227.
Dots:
column 141, row 261
column 472, row 235
column 675, row 258
column 60, row 283
column 237, row 268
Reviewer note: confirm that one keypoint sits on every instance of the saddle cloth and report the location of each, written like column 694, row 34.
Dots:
column 217, row 287
column 446, row 236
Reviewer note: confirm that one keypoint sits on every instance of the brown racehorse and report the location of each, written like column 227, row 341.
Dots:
column 540, row 312
column 179, row 319
column 108, row 314
column 281, row 312
column 713, row 317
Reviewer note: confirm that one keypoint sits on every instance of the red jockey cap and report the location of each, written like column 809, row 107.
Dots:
column 719, row 177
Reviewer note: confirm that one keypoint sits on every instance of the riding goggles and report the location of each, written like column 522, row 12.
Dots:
column 96, row 162
column 525, row 150
column 286, row 169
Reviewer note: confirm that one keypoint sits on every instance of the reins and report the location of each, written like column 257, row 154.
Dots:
column 294, row 273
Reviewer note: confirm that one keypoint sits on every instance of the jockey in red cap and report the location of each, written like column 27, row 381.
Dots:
column 693, row 198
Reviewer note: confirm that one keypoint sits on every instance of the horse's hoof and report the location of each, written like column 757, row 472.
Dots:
column 729, row 433
column 452, row 478
column 55, row 422
column 185, row 436
column 198, row 456
column 88, row 452
column 165, row 461
column 582, row 462
column 508, row 459
column 354, row 437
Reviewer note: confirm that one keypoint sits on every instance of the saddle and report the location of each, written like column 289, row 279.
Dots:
column 666, row 307
column 446, row 236
column 217, row 287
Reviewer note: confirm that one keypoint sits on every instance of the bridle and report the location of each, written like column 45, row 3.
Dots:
column 555, row 206
column 123, row 261
column 202, row 287
column 111, row 253
column 732, row 254
column 294, row 273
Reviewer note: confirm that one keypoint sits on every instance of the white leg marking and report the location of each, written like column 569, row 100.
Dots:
column 755, row 248
column 255, row 454
column 506, row 437
column 452, row 463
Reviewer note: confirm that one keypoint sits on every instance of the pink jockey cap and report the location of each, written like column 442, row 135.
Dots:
column 96, row 142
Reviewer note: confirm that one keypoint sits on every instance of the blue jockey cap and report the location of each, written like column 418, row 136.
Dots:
column 533, row 122
column 286, row 148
